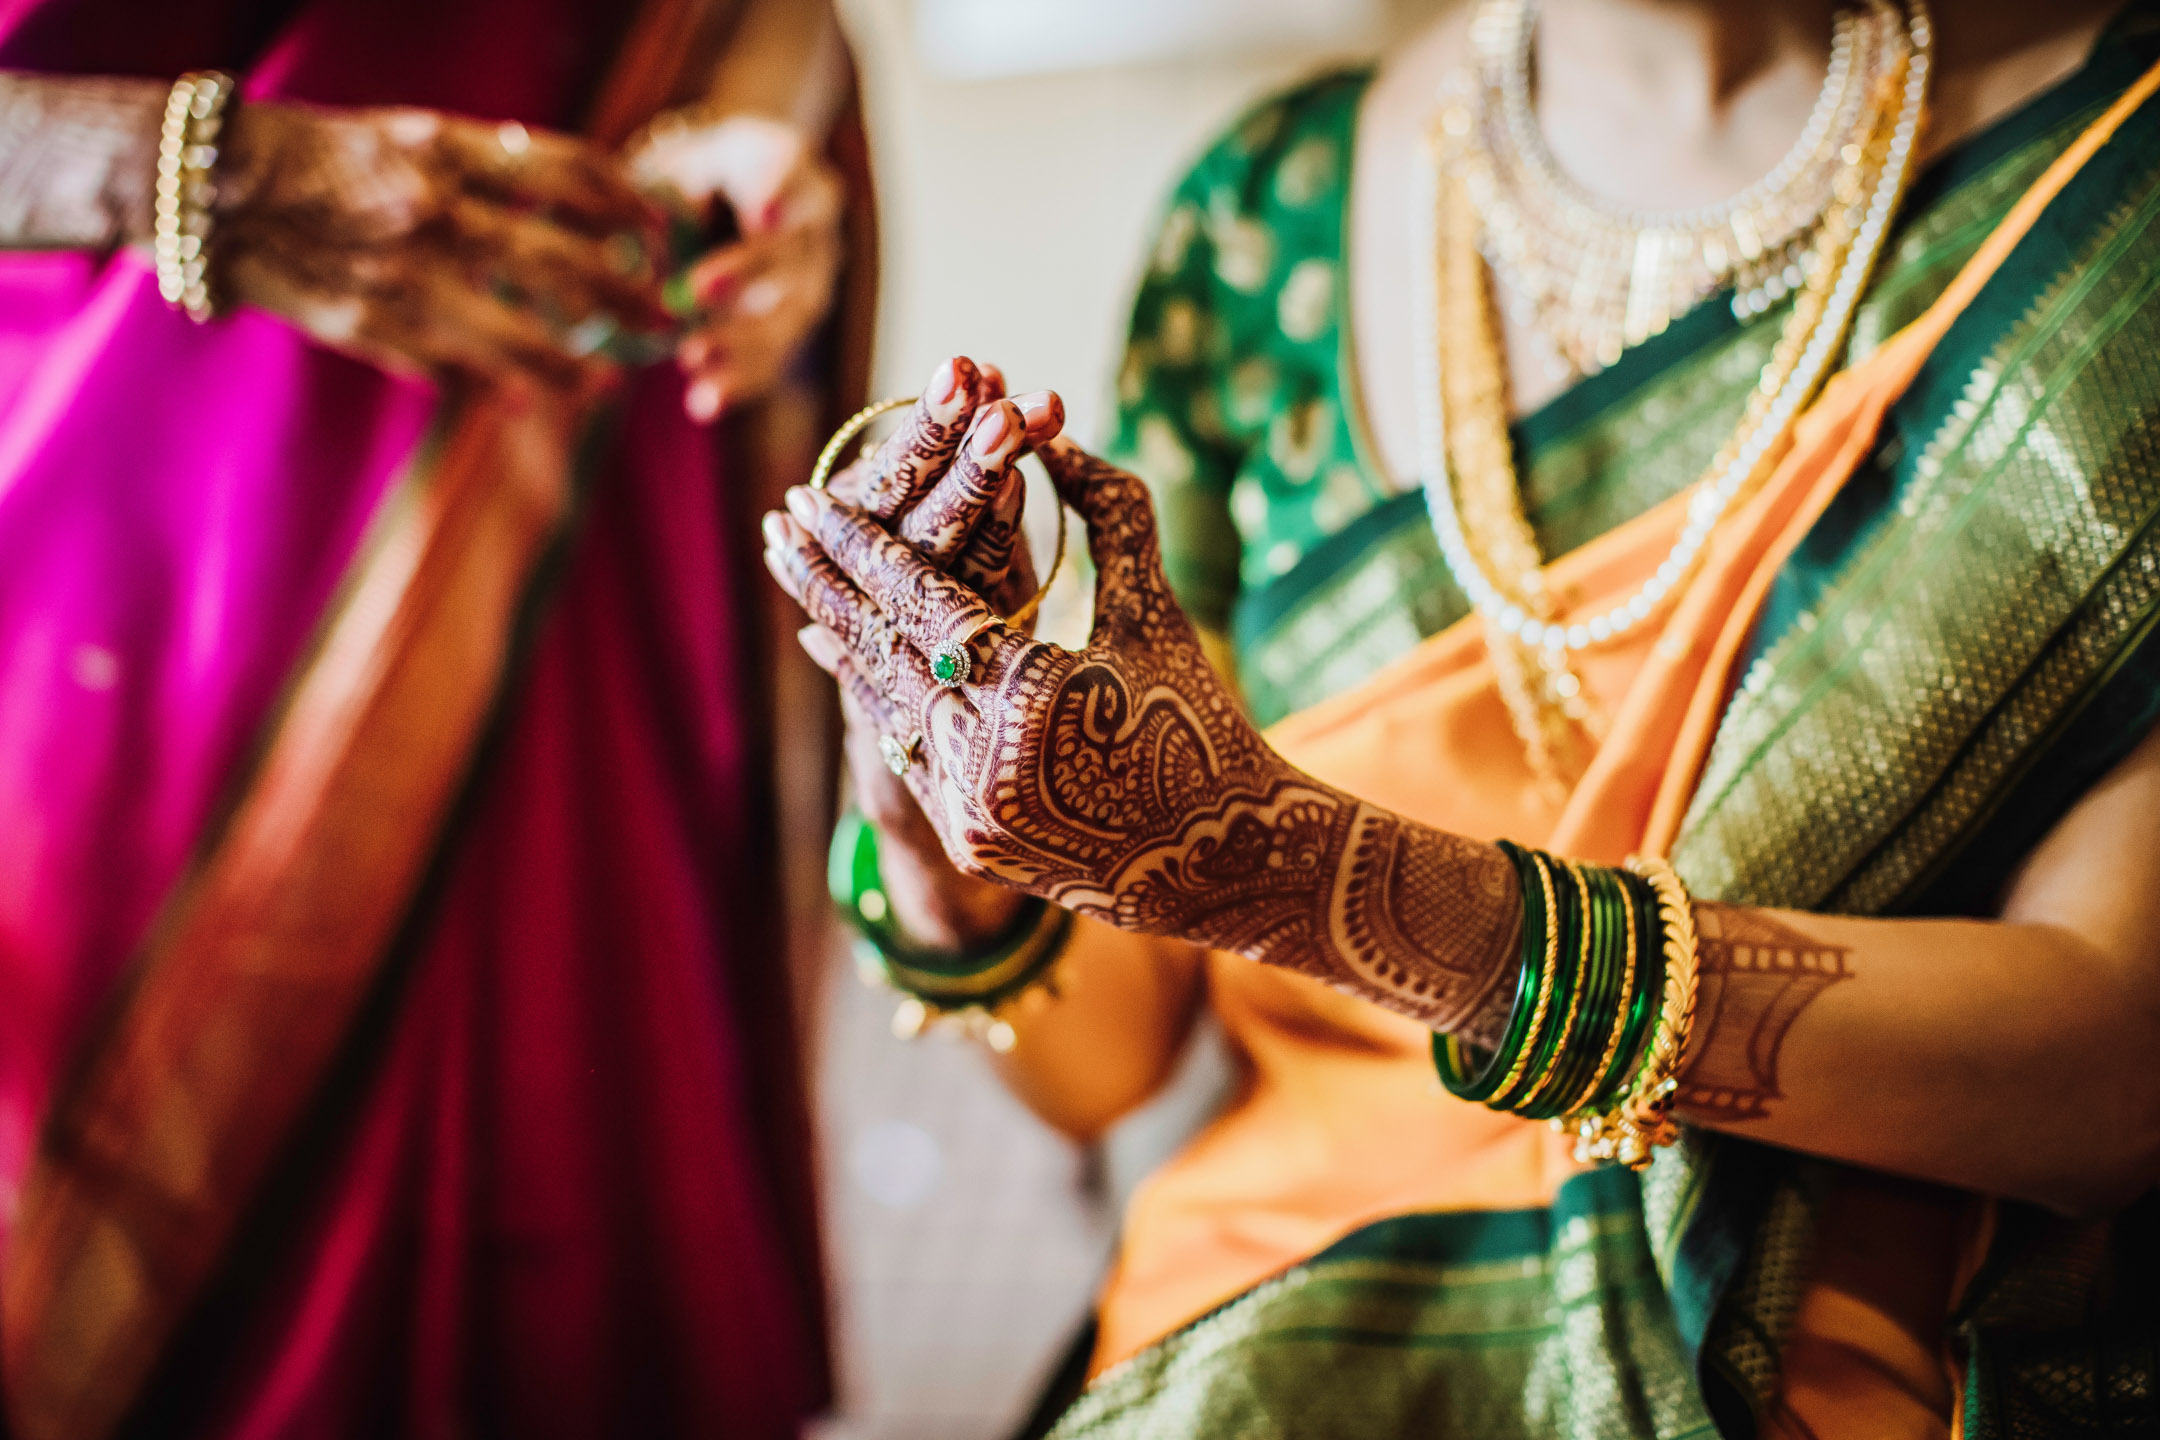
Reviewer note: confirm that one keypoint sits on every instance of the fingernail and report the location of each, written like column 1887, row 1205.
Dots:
column 819, row 644
column 802, row 504
column 944, row 385
column 990, row 431
column 776, row 566
column 702, row 402
column 774, row 528
column 1042, row 411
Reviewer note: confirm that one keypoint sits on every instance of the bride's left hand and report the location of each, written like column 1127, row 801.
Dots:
column 1121, row 780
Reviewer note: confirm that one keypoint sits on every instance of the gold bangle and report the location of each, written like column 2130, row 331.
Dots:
column 1558, row 1062
column 1620, row 1016
column 1642, row 1121
column 182, row 218
column 829, row 458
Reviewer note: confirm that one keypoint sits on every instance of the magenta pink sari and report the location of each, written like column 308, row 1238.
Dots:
column 556, row 1184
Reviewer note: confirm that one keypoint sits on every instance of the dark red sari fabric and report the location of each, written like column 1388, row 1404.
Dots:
column 558, row 1185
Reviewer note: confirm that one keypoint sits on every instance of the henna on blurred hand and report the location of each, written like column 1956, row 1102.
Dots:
column 390, row 233
column 78, row 160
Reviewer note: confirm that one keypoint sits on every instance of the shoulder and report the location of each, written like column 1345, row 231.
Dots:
column 1289, row 153
column 1272, row 143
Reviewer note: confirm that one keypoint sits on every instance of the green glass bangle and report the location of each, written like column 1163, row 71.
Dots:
column 1605, row 944
column 1617, row 1001
column 983, row 978
column 1545, row 1044
column 1470, row 1072
column 1591, row 983
column 1648, row 996
column 1556, row 1057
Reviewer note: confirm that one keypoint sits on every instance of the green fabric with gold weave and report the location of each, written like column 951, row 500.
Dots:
column 1959, row 650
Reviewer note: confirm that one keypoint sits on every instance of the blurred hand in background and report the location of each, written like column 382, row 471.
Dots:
column 762, row 294
column 433, row 245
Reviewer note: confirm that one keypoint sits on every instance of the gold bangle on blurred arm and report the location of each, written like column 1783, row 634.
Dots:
column 829, row 458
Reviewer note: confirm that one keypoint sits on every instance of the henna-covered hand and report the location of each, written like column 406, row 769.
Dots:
column 432, row 244
column 960, row 505
column 1124, row 781
column 950, row 486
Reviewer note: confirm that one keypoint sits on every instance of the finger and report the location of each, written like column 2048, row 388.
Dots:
column 580, row 274
column 1131, row 595
column 809, row 203
column 750, row 160
column 540, row 167
column 931, row 610
column 886, row 799
column 825, row 593
column 986, row 561
column 449, row 327
column 1044, row 411
column 910, row 460
column 942, row 524
column 920, row 781
column 719, row 276
column 947, row 515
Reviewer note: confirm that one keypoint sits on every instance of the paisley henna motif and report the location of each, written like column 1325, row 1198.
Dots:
column 1125, row 782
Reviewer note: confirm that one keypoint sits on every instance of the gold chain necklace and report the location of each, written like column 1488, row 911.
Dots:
column 1592, row 277
column 1471, row 489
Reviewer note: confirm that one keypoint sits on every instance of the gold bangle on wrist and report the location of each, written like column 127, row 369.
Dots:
column 1642, row 1120
column 187, row 190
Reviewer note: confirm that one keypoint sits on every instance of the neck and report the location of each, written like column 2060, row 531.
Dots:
column 1689, row 59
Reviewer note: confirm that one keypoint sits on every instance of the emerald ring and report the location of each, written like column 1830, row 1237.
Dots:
column 953, row 662
column 951, row 666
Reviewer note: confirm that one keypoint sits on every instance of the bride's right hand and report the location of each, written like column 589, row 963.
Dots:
column 433, row 245
column 947, row 482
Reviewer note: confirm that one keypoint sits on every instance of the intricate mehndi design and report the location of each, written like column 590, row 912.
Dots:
column 1124, row 781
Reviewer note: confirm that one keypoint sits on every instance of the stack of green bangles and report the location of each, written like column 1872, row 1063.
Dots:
column 1578, row 1044
column 969, row 986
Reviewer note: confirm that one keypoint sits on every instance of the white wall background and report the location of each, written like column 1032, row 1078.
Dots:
column 1015, row 207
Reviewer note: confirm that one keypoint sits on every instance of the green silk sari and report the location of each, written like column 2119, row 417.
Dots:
column 1957, row 652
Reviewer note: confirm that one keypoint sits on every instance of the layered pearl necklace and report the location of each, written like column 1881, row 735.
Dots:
column 1471, row 489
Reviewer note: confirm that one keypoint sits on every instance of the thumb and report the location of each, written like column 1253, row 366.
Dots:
column 1131, row 596
column 746, row 159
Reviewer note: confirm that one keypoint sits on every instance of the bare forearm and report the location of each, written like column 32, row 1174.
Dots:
column 1107, row 1033
column 78, row 160
column 2013, row 1059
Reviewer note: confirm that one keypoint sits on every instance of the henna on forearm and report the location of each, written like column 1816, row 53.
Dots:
column 78, row 160
column 1757, row 974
